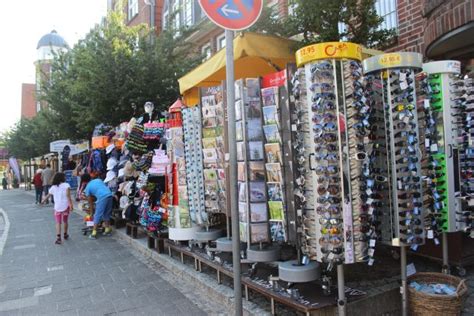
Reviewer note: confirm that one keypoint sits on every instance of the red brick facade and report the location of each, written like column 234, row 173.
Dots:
column 423, row 21
column 143, row 16
column 28, row 101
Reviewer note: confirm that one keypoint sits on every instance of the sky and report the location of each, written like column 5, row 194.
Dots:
column 22, row 24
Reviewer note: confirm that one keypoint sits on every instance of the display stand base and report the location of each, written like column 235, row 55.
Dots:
column 266, row 254
column 208, row 235
column 182, row 234
column 132, row 230
column 291, row 271
column 223, row 244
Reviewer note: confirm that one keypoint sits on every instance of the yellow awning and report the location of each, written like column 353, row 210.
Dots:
column 255, row 55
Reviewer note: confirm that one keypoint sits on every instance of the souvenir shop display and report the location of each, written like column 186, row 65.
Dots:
column 393, row 100
column 255, row 215
column 213, row 152
column 180, row 224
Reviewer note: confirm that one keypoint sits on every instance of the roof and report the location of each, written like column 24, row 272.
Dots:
column 52, row 39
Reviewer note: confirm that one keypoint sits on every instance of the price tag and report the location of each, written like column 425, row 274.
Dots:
column 371, row 210
column 434, row 148
column 331, row 256
column 414, row 247
column 372, row 243
column 430, row 234
column 411, row 269
column 436, row 241
column 369, row 201
column 426, row 103
column 371, row 252
column 368, row 191
column 403, row 85
column 427, row 143
column 371, row 262
column 90, row 223
column 293, row 128
column 400, row 185
column 402, row 77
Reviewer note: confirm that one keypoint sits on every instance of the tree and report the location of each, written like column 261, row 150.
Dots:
column 319, row 21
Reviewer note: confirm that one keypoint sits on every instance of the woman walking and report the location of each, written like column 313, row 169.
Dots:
column 61, row 192
column 38, row 183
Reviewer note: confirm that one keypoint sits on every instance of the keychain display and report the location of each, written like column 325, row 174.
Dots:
column 194, row 164
column 213, row 150
column 394, row 75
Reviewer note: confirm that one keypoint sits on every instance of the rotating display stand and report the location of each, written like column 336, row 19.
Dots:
column 395, row 109
column 253, row 209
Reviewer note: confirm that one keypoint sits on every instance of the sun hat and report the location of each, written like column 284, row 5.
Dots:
column 111, row 163
column 121, row 172
column 110, row 176
column 109, row 149
column 39, row 170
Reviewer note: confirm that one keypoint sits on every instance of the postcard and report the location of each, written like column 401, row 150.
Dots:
column 209, row 143
column 257, row 191
column 273, row 172
column 243, row 232
column 256, row 150
column 258, row 212
column 277, row 232
column 254, row 110
column 276, row 210
column 208, row 132
column 259, row 232
column 208, row 101
column 270, row 115
column 275, row 191
column 243, row 212
column 208, row 111
column 208, row 122
column 242, row 191
column 257, row 171
column 272, row 134
column 239, row 106
column 273, row 153
column 253, row 87
column 241, row 153
column 270, row 96
column 241, row 171
column 210, row 155
column 210, row 174
column 238, row 89
column 221, row 174
column 239, row 131
column 254, row 129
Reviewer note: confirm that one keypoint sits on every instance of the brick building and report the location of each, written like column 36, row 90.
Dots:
column 137, row 12
column 438, row 29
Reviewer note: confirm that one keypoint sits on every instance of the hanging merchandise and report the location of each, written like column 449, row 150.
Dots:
column 213, row 151
column 392, row 98
column 336, row 200
column 439, row 108
column 194, row 163
column 135, row 142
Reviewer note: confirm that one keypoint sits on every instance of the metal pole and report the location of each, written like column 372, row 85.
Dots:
column 341, row 291
column 229, row 52
column 404, row 288
column 445, row 254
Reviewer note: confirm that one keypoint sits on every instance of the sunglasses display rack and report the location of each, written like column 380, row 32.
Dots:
column 394, row 75
column 213, row 152
column 179, row 222
column 252, row 189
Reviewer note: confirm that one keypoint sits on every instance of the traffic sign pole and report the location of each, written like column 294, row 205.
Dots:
column 229, row 54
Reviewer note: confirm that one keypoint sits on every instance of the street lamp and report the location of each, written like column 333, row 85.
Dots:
column 152, row 4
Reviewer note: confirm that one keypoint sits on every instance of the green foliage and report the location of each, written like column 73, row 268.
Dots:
column 318, row 21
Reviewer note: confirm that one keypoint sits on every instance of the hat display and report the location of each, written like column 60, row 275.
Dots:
column 121, row 172
column 111, row 163
column 109, row 149
column 110, row 176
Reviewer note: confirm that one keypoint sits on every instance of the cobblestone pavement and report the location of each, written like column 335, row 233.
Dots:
column 80, row 277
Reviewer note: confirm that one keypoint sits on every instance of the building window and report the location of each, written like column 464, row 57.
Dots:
column 132, row 9
column 206, row 51
column 292, row 5
column 387, row 9
column 220, row 41
column 187, row 12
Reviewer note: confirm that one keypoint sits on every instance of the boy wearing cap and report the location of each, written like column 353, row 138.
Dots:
column 103, row 203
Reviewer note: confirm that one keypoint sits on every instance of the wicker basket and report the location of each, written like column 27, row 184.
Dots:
column 421, row 304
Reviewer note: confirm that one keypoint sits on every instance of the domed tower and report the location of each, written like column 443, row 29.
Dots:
column 48, row 46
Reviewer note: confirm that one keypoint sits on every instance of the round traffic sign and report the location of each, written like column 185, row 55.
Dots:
column 232, row 14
